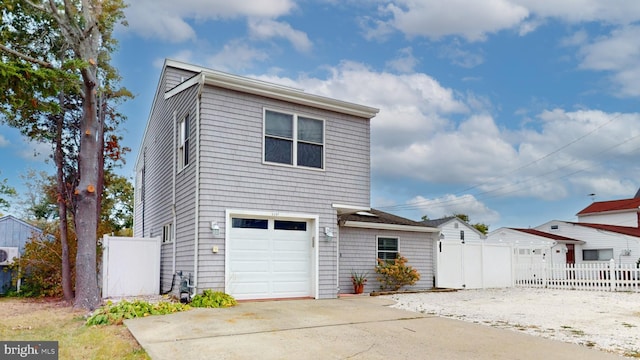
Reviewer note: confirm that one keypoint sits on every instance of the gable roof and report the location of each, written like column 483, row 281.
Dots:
column 376, row 219
column 613, row 205
column 625, row 230
column 8, row 218
column 547, row 235
column 438, row 222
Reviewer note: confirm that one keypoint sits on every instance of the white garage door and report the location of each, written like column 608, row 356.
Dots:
column 269, row 258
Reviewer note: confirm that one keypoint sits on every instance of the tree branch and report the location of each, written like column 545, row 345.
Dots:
column 26, row 57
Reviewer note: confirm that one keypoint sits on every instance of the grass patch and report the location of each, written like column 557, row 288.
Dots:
column 54, row 320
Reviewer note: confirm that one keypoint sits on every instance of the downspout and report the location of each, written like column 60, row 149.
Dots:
column 197, row 194
column 174, row 219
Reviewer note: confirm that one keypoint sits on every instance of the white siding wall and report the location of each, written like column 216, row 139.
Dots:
column 619, row 219
column 359, row 250
column 597, row 239
column 521, row 240
column 451, row 231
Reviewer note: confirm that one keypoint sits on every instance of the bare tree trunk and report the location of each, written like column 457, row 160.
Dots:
column 87, row 296
column 67, row 290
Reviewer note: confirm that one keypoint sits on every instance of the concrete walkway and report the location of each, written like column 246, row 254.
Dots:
column 359, row 327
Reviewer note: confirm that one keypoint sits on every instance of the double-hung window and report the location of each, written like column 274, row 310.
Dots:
column 294, row 140
column 183, row 145
column 387, row 248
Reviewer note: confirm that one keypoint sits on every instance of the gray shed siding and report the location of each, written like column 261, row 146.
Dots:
column 359, row 250
column 13, row 233
column 232, row 176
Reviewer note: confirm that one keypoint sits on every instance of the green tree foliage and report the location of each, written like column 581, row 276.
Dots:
column 6, row 192
column 483, row 228
column 55, row 64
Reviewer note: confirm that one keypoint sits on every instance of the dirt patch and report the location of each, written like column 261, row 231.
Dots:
column 603, row 320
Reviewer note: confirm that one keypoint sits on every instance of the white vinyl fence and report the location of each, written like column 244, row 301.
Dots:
column 130, row 266
column 473, row 265
column 603, row 276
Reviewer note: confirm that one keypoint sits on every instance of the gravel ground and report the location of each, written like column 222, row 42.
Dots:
column 609, row 321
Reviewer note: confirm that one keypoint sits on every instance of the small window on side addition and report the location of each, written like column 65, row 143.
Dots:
column 167, row 234
column 554, row 227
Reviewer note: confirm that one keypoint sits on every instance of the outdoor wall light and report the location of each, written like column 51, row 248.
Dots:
column 215, row 228
column 441, row 236
column 328, row 233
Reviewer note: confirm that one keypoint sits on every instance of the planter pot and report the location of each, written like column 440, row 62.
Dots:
column 358, row 288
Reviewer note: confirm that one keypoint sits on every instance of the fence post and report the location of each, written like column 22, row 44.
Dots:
column 612, row 274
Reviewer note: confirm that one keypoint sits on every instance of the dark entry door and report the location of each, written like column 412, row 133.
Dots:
column 571, row 254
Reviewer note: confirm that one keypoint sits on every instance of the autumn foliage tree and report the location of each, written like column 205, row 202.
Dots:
column 56, row 56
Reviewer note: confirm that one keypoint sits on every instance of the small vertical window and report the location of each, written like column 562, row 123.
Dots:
column 387, row 248
column 167, row 233
column 183, row 146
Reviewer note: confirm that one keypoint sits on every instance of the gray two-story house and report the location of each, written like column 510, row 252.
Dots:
column 244, row 180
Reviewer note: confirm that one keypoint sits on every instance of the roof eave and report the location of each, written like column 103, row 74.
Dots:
column 382, row 226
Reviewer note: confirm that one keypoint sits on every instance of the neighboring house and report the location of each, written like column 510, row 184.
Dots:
column 464, row 260
column 455, row 229
column 535, row 246
column 14, row 234
column 601, row 242
column 625, row 212
column 369, row 235
column 244, row 180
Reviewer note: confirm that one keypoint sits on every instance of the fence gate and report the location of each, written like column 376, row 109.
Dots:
column 473, row 265
column 130, row 266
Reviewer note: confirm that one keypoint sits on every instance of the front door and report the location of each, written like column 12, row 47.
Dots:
column 571, row 254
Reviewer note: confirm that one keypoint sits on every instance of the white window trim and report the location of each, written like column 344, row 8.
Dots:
column 167, row 233
column 295, row 139
column 183, row 144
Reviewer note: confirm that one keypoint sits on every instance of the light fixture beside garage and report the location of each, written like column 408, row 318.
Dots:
column 328, row 233
column 215, row 228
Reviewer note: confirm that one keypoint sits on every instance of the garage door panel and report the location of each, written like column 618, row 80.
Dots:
column 268, row 263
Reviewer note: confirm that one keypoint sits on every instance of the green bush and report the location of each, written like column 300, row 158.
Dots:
column 115, row 314
column 213, row 299
column 394, row 275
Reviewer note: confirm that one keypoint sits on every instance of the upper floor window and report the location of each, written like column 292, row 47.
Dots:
column 294, row 140
column 183, row 145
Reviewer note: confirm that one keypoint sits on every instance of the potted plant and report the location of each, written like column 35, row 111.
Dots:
column 358, row 280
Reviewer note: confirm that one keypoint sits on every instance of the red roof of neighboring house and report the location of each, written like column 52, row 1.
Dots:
column 614, row 205
column 547, row 235
column 625, row 230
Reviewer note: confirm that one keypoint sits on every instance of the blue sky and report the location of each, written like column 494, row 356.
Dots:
column 511, row 111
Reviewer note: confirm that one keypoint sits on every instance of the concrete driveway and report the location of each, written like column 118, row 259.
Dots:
column 360, row 327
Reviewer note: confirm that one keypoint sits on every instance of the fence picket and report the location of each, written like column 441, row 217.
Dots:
column 605, row 276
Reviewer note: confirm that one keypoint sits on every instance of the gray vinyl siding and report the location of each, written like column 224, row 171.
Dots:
column 13, row 233
column 154, row 210
column 233, row 175
column 359, row 250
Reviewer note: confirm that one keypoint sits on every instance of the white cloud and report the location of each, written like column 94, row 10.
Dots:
column 405, row 62
column 3, row 141
column 617, row 53
column 236, row 56
column 459, row 56
column 451, row 204
column 169, row 20
column 35, row 151
column 267, row 29
column 470, row 19
column 431, row 135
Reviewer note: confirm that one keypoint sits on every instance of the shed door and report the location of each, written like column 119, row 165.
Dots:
column 269, row 258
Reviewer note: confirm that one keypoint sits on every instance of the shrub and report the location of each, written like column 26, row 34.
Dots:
column 213, row 299
column 115, row 314
column 394, row 275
